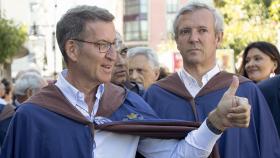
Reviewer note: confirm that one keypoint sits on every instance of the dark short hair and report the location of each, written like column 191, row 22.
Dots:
column 265, row 47
column 7, row 84
column 72, row 24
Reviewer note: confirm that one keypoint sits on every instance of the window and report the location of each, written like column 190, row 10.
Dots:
column 171, row 10
column 135, row 20
column 171, row 6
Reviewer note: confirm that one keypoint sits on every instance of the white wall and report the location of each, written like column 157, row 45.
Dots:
column 45, row 15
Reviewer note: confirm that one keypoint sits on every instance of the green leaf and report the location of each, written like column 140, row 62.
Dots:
column 12, row 38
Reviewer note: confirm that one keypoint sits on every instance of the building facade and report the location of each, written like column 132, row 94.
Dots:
column 149, row 23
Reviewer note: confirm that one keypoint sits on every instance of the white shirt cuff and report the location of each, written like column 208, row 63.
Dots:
column 202, row 138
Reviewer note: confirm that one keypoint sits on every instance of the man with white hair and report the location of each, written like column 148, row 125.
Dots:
column 143, row 65
column 27, row 85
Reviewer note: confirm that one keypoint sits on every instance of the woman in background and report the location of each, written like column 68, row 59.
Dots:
column 260, row 61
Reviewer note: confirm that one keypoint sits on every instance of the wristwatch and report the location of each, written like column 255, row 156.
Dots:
column 212, row 127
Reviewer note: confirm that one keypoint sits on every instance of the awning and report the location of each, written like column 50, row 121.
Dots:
column 23, row 51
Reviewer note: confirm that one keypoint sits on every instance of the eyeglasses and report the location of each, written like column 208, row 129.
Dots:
column 103, row 46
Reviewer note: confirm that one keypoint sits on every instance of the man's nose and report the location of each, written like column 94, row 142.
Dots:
column 120, row 60
column 194, row 36
column 133, row 75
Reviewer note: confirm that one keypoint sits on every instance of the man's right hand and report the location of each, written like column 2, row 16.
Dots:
column 232, row 111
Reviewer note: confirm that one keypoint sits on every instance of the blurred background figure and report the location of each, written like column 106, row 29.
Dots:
column 163, row 72
column 27, row 85
column 27, row 70
column 271, row 91
column 120, row 71
column 6, row 112
column 260, row 61
column 8, row 96
column 143, row 66
column 2, row 93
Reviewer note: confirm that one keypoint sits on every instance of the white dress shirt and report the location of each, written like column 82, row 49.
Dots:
column 198, row 143
column 190, row 82
column 77, row 98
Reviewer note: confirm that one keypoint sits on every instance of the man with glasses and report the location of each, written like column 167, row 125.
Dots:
column 57, row 122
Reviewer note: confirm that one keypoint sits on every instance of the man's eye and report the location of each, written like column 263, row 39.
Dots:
column 123, row 53
column 203, row 30
column 139, row 70
column 185, row 31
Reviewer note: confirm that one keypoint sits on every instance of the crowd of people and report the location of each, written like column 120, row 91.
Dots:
column 115, row 101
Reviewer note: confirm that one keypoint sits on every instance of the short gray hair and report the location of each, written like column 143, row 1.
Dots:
column 149, row 53
column 72, row 24
column 28, row 80
column 219, row 20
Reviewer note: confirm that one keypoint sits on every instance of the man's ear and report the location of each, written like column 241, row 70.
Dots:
column 71, row 49
column 29, row 93
column 219, row 39
column 157, row 72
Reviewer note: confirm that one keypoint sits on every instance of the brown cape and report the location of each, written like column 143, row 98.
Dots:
column 51, row 98
column 7, row 112
column 174, row 84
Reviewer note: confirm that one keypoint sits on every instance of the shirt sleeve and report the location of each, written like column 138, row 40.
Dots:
column 198, row 143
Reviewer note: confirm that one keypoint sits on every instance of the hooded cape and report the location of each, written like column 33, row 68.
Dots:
column 271, row 91
column 6, row 113
column 57, row 129
column 171, row 100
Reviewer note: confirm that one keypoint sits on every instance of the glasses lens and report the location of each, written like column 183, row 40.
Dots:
column 104, row 47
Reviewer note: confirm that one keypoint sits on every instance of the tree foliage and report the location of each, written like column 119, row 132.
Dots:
column 12, row 38
column 274, row 10
column 248, row 21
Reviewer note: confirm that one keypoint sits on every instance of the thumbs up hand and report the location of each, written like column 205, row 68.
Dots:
column 232, row 111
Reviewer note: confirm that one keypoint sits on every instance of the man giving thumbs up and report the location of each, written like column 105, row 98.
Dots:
column 194, row 92
column 232, row 111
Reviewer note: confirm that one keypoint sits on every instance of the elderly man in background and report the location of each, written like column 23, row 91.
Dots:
column 27, row 85
column 143, row 66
